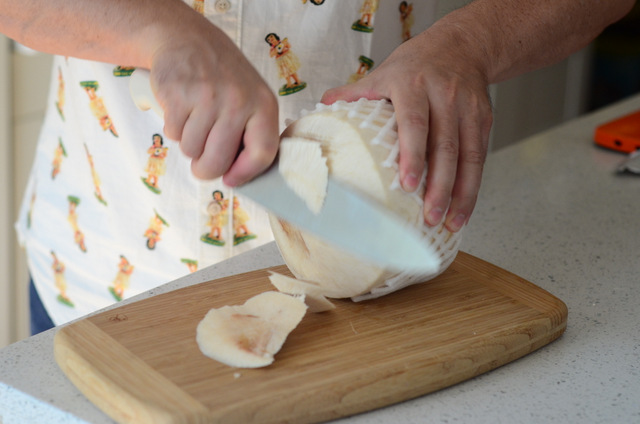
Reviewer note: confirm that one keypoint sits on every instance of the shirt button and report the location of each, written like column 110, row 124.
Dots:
column 222, row 6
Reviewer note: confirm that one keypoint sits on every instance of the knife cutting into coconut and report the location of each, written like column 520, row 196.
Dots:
column 339, row 216
column 301, row 188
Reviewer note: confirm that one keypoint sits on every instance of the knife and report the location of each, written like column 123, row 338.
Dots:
column 347, row 220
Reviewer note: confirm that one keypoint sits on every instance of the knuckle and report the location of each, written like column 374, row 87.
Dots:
column 265, row 99
column 235, row 99
column 448, row 148
column 477, row 153
column 189, row 149
column 261, row 156
column 206, row 96
column 212, row 166
column 466, row 199
column 475, row 157
column 417, row 120
column 419, row 83
column 171, row 132
column 172, row 127
column 200, row 171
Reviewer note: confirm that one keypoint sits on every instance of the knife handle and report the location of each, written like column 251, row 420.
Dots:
column 141, row 92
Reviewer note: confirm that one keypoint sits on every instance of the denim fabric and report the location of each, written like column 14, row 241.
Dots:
column 40, row 320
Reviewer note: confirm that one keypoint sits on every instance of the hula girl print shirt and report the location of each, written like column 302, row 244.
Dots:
column 111, row 209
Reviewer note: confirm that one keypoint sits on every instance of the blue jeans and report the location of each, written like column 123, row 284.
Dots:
column 40, row 319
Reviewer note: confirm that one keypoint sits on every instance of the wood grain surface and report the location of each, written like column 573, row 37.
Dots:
column 140, row 362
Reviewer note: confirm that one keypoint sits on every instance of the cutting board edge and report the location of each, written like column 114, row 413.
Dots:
column 466, row 374
column 124, row 398
column 454, row 379
column 539, row 298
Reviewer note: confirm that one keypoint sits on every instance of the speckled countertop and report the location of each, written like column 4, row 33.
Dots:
column 553, row 211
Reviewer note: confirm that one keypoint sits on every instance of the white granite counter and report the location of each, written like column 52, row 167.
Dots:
column 551, row 210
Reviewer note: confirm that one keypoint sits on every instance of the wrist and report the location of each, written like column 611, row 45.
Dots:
column 170, row 29
column 458, row 48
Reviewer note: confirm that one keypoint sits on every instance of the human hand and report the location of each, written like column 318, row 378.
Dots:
column 444, row 115
column 215, row 105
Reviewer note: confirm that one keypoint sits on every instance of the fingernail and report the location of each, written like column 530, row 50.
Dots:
column 457, row 222
column 435, row 216
column 410, row 182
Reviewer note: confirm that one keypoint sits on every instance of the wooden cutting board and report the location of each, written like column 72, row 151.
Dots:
column 140, row 362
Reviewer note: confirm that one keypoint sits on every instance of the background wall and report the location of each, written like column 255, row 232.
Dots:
column 22, row 103
column 7, row 286
column 522, row 107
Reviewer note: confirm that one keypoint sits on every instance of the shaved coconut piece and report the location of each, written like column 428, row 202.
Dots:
column 360, row 142
column 312, row 292
column 249, row 335
column 305, row 170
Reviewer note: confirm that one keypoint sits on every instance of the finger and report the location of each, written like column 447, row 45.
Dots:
column 196, row 130
column 220, row 147
column 474, row 139
column 348, row 93
column 175, row 118
column 412, row 115
column 174, row 104
column 442, row 159
column 260, row 146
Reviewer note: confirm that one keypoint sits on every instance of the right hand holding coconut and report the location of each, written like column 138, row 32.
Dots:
column 444, row 116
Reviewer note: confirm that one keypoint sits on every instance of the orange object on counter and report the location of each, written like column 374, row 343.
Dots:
column 621, row 134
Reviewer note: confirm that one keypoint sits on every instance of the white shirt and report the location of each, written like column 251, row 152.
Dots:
column 108, row 215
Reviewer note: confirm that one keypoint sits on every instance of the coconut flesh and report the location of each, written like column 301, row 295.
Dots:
column 358, row 142
column 249, row 335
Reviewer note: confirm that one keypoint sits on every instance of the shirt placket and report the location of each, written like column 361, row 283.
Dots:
column 226, row 15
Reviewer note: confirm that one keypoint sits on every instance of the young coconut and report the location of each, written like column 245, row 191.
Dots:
column 312, row 292
column 359, row 145
column 249, row 335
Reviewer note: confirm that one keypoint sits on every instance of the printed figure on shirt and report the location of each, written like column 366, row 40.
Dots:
column 365, row 66
column 288, row 64
column 192, row 264
column 121, row 282
column 96, row 104
column 60, row 280
column 406, row 18
column 123, row 71
column 367, row 11
column 198, row 6
column 156, row 164
column 240, row 218
column 58, row 155
column 152, row 234
column 61, row 98
column 78, row 236
column 218, row 218
column 95, row 177
column 316, row 2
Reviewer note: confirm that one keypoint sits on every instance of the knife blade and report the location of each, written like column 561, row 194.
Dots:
column 347, row 219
